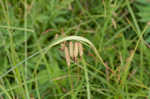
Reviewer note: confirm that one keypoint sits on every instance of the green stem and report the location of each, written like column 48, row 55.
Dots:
column 87, row 79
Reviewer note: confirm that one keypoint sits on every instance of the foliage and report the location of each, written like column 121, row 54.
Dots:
column 114, row 34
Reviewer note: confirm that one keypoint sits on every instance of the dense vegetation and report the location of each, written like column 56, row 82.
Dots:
column 35, row 57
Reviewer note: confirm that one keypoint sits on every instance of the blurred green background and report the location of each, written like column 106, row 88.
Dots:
column 117, row 28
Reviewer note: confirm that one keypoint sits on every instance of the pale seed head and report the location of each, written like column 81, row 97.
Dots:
column 67, row 56
column 76, row 49
column 56, row 36
column 148, row 23
column 71, row 49
column 62, row 32
column 114, row 23
column 80, row 49
column 62, row 46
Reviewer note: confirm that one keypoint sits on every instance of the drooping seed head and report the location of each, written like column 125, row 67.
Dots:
column 67, row 56
column 80, row 49
column 62, row 46
column 76, row 50
column 71, row 49
column 56, row 36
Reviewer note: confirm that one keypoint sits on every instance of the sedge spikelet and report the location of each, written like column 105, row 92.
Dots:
column 67, row 56
column 71, row 49
column 76, row 51
column 80, row 49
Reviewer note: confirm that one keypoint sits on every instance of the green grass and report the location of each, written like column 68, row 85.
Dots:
column 115, row 63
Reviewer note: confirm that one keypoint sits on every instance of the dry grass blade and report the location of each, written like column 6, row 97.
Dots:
column 107, row 72
column 71, row 49
column 67, row 56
